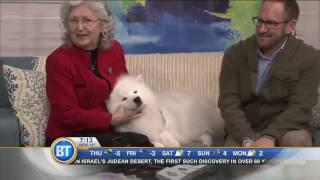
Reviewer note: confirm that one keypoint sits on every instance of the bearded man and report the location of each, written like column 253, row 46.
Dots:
column 268, row 82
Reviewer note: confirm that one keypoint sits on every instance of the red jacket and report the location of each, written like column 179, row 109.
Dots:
column 76, row 95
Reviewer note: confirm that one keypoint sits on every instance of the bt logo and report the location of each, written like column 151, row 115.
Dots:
column 63, row 150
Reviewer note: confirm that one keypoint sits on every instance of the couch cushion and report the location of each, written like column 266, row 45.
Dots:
column 20, row 62
column 27, row 95
column 9, row 128
column 195, row 73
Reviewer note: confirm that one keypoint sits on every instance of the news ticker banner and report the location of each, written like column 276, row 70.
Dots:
column 87, row 150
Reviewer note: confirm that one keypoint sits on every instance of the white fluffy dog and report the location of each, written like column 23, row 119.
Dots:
column 173, row 119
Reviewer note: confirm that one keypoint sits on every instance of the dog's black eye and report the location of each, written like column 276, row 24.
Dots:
column 123, row 99
column 135, row 92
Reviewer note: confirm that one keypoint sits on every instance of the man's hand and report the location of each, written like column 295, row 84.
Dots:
column 123, row 115
column 266, row 141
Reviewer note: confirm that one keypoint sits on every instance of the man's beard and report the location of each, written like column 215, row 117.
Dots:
column 272, row 42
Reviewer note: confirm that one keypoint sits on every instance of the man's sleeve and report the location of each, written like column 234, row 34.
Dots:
column 229, row 100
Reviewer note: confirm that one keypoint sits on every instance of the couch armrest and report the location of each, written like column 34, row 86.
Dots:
column 9, row 129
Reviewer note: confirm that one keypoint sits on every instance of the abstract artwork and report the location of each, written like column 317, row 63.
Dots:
column 179, row 26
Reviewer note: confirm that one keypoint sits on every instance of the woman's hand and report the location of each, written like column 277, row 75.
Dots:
column 123, row 115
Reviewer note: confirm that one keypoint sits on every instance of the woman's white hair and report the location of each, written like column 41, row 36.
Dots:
column 102, row 11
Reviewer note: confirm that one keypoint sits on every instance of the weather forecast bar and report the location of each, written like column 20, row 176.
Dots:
column 177, row 153
column 88, row 151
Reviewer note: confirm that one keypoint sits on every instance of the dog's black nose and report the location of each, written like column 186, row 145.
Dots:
column 137, row 100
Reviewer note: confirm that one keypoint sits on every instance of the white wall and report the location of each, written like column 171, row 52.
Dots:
column 33, row 28
column 308, row 27
column 29, row 28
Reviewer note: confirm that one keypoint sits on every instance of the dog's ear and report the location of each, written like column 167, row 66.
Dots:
column 140, row 78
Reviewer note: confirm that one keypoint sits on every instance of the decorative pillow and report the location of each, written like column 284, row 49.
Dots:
column 28, row 98
column 316, row 114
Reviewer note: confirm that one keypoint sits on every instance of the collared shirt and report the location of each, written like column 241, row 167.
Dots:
column 264, row 67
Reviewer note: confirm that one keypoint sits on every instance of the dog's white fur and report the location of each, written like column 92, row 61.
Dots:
column 173, row 119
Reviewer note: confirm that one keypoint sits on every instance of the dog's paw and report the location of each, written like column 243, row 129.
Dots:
column 157, row 144
column 206, row 139
column 168, row 139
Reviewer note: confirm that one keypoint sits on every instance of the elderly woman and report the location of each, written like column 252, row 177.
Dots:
column 81, row 74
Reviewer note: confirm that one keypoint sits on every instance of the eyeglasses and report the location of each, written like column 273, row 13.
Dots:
column 83, row 21
column 267, row 24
